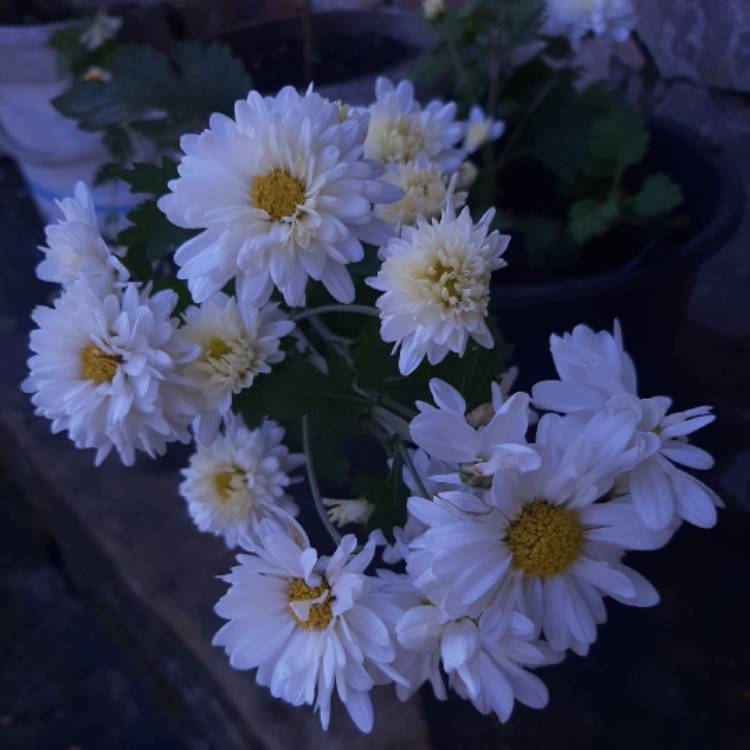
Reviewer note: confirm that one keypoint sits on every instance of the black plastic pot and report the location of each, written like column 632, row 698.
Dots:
column 350, row 49
column 649, row 294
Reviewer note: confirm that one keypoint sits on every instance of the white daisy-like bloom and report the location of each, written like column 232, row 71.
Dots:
column 480, row 129
column 433, row 9
column 613, row 18
column 435, row 280
column 240, row 479
column 108, row 370
column 475, row 453
column 485, row 658
column 540, row 542
column 400, row 129
column 426, row 191
column 595, row 373
column 308, row 624
column 345, row 511
column 281, row 194
column 75, row 249
column 237, row 343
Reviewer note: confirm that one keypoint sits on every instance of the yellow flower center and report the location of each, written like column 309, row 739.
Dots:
column 97, row 365
column 225, row 482
column 278, row 194
column 320, row 614
column 545, row 540
column 216, row 349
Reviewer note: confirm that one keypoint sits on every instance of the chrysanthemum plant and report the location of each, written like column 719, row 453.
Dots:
column 572, row 173
column 307, row 299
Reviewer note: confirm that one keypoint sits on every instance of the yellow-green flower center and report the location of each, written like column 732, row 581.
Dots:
column 97, row 365
column 278, row 194
column 225, row 484
column 544, row 539
column 216, row 349
column 320, row 614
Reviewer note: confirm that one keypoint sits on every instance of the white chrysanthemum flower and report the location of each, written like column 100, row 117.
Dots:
column 400, row 130
column 236, row 344
column 75, row 249
column 485, row 658
column 480, row 129
column 596, row 373
column 103, row 28
column 308, row 624
column 433, row 9
column 475, row 454
column 107, row 370
column 282, row 196
column 436, row 283
column 239, row 479
column 344, row 511
column 539, row 541
column 425, row 189
column 613, row 18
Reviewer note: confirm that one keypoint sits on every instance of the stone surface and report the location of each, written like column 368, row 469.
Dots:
column 707, row 41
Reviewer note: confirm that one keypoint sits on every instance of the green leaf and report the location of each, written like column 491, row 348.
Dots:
column 659, row 194
column 151, row 237
column 118, row 141
column 150, row 178
column 389, row 498
column 542, row 238
column 588, row 219
column 619, row 137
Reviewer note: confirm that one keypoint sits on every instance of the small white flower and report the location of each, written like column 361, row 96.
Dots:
column 103, row 28
column 540, row 541
column 76, row 250
column 282, row 195
column 596, row 373
column 239, row 479
column 475, row 454
column 425, row 191
column 400, row 130
column 346, row 511
column 236, row 344
column 433, row 9
column 107, row 370
column 308, row 624
column 481, row 129
column 436, row 284
column 484, row 658
column 613, row 18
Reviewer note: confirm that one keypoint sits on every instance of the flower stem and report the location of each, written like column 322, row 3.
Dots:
column 336, row 309
column 313, row 482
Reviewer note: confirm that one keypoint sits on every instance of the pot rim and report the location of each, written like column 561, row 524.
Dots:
column 708, row 240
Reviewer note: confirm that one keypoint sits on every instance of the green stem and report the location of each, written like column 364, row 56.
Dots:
column 535, row 104
column 313, row 482
column 336, row 309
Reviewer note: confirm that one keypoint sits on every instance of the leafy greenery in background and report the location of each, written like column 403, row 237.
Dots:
column 583, row 145
column 151, row 94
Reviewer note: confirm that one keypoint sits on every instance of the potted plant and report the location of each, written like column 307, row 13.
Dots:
column 611, row 210
column 306, row 295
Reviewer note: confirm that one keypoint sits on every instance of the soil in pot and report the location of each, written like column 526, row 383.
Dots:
column 274, row 53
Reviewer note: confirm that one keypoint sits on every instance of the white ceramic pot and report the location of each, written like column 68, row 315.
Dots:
column 50, row 150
